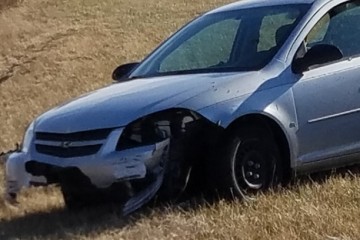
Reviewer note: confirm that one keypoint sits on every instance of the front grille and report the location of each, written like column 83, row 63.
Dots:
column 98, row 134
column 68, row 145
column 68, row 152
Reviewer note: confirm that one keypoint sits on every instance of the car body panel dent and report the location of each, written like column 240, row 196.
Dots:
column 278, row 106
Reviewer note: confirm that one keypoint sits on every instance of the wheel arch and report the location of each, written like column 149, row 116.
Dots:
column 274, row 128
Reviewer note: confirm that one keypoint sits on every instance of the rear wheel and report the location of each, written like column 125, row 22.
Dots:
column 251, row 162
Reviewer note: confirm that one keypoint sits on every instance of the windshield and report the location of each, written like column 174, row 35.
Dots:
column 239, row 40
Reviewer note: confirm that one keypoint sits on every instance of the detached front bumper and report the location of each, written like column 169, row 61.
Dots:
column 99, row 171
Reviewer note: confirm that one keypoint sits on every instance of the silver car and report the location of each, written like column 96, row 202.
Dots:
column 241, row 99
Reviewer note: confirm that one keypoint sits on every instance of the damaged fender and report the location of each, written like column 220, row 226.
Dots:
column 16, row 176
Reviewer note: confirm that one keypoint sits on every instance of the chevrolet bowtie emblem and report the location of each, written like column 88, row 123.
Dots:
column 65, row 144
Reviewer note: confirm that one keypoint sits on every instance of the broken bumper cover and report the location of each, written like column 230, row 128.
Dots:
column 102, row 170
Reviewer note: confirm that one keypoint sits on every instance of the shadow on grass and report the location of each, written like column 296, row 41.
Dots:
column 60, row 223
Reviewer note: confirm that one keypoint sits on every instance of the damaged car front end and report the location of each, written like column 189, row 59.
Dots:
column 126, row 165
column 212, row 107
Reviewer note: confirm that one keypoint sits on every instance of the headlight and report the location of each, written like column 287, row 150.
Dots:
column 28, row 137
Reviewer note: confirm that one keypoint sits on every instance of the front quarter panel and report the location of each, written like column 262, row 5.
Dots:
column 276, row 103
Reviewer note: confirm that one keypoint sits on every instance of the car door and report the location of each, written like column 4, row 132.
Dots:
column 327, row 97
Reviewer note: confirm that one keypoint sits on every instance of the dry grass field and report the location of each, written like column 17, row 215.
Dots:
column 52, row 50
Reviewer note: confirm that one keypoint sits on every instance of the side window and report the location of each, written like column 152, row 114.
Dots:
column 209, row 47
column 340, row 27
column 274, row 30
column 317, row 34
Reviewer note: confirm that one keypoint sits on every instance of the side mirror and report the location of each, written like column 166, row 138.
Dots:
column 317, row 55
column 122, row 71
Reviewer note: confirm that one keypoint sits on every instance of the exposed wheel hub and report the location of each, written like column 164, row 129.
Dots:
column 251, row 166
column 251, row 169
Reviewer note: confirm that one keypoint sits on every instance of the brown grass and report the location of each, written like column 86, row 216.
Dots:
column 4, row 4
column 53, row 50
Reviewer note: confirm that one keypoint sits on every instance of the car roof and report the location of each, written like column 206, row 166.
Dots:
column 261, row 3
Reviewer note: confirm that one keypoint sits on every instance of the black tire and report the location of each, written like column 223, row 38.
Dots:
column 250, row 163
column 73, row 201
column 177, row 172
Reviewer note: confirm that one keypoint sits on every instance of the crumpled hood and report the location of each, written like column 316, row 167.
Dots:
column 121, row 103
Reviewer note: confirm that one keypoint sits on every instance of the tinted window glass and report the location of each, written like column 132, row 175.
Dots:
column 340, row 27
column 209, row 47
column 239, row 40
column 274, row 30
